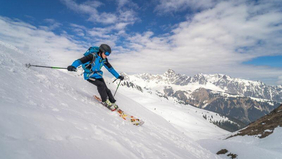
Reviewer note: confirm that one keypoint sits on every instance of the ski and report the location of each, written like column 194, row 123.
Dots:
column 122, row 114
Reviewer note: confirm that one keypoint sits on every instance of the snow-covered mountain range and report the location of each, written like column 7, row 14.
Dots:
column 48, row 113
column 216, row 82
column 241, row 99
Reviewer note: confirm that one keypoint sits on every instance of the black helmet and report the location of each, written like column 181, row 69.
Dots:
column 106, row 49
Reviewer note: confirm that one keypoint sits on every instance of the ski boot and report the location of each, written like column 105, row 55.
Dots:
column 109, row 105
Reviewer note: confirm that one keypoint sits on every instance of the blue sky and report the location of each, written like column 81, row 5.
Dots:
column 44, row 13
column 239, row 38
column 270, row 61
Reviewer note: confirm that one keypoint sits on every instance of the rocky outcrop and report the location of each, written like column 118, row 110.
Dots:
column 265, row 125
column 244, row 109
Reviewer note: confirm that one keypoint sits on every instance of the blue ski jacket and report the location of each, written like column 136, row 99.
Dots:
column 92, row 65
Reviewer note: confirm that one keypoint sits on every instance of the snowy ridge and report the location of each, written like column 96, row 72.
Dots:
column 216, row 82
column 47, row 113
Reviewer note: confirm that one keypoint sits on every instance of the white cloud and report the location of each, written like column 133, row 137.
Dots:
column 39, row 41
column 120, row 26
column 97, row 35
column 167, row 6
column 104, row 18
column 126, row 4
column 122, row 3
column 90, row 8
column 99, row 32
column 78, row 29
column 52, row 25
column 127, row 16
column 217, row 40
column 114, row 23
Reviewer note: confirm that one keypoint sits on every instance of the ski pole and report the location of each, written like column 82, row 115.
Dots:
column 117, row 86
column 52, row 67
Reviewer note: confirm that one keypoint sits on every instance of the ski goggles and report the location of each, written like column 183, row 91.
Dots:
column 107, row 53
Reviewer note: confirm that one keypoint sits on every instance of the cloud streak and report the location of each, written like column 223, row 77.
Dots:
column 91, row 8
column 108, row 27
column 168, row 6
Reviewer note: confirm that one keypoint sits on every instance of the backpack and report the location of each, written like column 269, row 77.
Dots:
column 91, row 50
column 88, row 65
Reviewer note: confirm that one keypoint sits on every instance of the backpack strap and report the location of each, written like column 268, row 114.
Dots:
column 94, row 57
column 92, row 61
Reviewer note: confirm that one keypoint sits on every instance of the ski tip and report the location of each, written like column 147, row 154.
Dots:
column 113, row 110
column 139, row 124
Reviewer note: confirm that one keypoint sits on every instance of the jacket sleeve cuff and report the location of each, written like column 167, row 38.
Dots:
column 76, row 63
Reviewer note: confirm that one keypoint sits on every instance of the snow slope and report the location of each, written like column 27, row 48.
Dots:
column 51, row 114
column 248, row 147
column 187, row 119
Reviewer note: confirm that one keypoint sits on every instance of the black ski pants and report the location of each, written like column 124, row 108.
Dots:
column 102, row 89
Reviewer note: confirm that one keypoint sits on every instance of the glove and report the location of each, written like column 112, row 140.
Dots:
column 71, row 68
column 121, row 78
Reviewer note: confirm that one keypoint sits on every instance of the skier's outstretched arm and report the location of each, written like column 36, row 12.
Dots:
column 110, row 68
column 80, row 61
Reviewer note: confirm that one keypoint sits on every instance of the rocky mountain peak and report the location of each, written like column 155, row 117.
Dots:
column 169, row 73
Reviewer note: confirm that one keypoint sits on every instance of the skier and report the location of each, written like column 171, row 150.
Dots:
column 93, row 63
